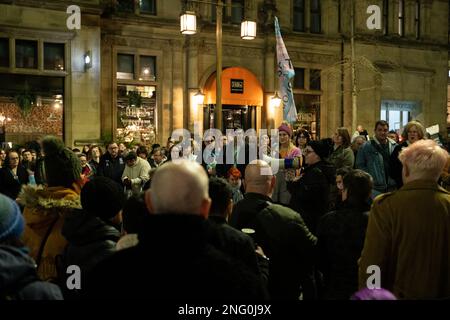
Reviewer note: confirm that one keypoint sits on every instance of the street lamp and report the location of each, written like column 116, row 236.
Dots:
column 188, row 23
column 275, row 101
column 199, row 97
column 188, row 26
column 248, row 30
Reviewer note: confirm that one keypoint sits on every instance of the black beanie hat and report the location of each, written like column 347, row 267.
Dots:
column 321, row 147
column 102, row 197
column 62, row 166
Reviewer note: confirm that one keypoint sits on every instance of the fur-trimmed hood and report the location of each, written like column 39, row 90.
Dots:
column 47, row 198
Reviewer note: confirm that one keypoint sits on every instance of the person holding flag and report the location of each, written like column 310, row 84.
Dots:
column 285, row 72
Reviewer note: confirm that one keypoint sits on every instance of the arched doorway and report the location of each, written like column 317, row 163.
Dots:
column 242, row 99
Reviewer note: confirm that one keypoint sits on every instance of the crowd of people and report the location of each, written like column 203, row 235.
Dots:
column 141, row 222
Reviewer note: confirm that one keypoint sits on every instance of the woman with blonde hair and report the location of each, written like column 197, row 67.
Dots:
column 412, row 132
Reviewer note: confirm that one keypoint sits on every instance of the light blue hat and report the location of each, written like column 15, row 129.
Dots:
column 11, row 219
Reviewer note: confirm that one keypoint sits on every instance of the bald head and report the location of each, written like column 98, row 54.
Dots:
column 179, row 187
column 259, row 178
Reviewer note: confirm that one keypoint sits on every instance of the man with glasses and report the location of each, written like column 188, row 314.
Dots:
column 112, row 164
column 12, row 176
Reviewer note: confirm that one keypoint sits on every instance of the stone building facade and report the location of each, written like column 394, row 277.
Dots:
column 401, row 70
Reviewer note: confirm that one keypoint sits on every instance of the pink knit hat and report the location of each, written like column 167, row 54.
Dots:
column 285, row 127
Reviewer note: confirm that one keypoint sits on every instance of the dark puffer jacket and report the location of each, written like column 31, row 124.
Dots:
column 340, row 241
column 311, row 193
column 90, row 240
column 19, row 280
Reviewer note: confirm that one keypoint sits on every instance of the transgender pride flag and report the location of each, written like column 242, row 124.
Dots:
column 285, row 74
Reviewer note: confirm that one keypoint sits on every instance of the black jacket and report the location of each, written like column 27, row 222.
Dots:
column 285, row 239
column 173, row 260
column 19, row 280
column 90, row 239
column 8, row 185
column 111, row 168
column 311, row 195
column 236, row 244
column 395, row 166
column 340, row 241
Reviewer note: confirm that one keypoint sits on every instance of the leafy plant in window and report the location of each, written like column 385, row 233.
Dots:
column 25, row 101
column 134, row 99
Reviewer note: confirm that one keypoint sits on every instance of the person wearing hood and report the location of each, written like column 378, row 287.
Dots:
column 311, row 192
column 45, row 208
column 136, row 172
column 18, row 276
column 92, row 233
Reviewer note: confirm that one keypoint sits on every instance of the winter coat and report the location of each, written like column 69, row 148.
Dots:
column 408, row 238
column 138, row 174
column 89, row 238
column 311, row 193
column 237, row 244
column 396, row 166
column 111, row 168
column 10, row 186
column 18, row 278
column 285, row 239
column 340, row 239
column 342, row 157
column 370, row 160
column 45, row 209
column 173, row 260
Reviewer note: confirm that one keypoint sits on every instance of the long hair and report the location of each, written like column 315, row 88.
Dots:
column 346, row 141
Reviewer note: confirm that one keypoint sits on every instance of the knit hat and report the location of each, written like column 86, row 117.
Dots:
column 11, row 220
column 373, row 294
column 62, row 166
column 102, row 197
column 321, row 147
column 285, row 127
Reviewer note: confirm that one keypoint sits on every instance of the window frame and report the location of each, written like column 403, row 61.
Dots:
column 401, row 18
column 385, row 17
column 301, row 10
column 417, row 13
column 155, row 5
column 314, row 12
column 233, row 4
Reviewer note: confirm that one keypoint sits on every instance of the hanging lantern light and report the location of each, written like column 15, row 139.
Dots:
column 248, row 30
column 188, row 23
column 275, row 101
column 199, row 97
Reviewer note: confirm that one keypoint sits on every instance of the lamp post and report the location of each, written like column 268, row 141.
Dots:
column 218, row 108
column 188, row 26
